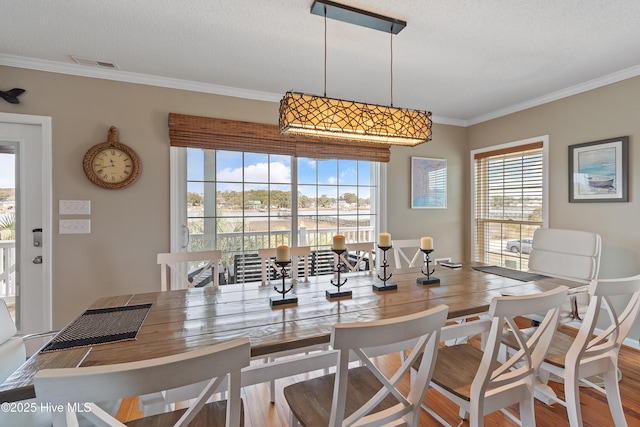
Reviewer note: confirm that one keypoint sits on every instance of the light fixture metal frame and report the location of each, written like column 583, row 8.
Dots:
column 313, row 115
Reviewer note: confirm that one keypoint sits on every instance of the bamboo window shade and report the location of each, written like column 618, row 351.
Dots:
column 508, row 199
column 221, row 134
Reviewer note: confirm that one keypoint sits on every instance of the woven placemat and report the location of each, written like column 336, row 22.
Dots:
column 100, row 326
column 523, row 276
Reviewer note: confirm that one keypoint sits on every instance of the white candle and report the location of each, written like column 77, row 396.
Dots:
column 384, row 240
column 426, row 243
column 283, row 254
column 339, row 243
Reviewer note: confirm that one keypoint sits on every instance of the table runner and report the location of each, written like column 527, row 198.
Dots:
column 100, row 326
column 523, row 276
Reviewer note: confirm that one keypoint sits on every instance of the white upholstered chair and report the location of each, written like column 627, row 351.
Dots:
column 298, row 254
column 364, row 395
column 220, row 365
column 568, row 254
column 594, row 352
column 407, row 253
column 206, row 271
column 475, row 380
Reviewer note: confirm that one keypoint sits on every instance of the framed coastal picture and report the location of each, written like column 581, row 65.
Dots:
column 428, row 183
column 598, row 171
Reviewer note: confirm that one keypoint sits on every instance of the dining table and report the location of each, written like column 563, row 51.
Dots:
column 182, row 320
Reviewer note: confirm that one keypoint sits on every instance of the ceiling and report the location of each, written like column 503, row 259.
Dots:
column 466, row 61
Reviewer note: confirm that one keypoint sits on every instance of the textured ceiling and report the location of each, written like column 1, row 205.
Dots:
column 465, row 61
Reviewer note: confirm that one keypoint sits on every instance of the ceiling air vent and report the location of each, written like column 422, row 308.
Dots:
column 94, row 62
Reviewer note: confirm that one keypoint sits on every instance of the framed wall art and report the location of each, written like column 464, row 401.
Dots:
column 428, row 183
column 598, row 171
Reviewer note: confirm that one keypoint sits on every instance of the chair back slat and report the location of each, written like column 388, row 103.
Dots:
column 423, row 329
column 219, row 364
column 401, row 251
column 209, row 263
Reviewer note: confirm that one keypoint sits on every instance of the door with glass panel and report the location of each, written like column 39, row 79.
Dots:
column 25, row 222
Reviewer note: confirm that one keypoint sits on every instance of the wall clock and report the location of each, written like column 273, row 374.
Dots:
column 110, row 164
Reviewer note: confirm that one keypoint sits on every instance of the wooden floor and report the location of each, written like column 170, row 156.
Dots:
column 260, row 413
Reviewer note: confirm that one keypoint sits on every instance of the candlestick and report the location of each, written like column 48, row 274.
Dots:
column 384, row 286
column 427, row 280
column 384, row 240
column 338, row 293
column 276, row 301
column 338, row 243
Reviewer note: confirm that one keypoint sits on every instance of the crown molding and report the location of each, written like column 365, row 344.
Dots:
column 564, row 93
column 146, row 79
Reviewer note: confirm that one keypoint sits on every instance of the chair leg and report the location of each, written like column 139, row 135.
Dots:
column 572, row 398
column 613, row 396
column 527, row 412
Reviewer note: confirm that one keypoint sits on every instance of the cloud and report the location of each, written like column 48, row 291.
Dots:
column 257, row 173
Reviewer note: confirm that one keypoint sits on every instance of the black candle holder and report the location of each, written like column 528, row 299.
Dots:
column 338, row 293
column 276, row 301
column 384, row 286
column 427, row 280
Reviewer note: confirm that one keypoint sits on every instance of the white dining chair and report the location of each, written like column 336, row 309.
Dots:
column 407, row 253
column 594, row 352
column 567, row 254
column 204, row 266
column 364, row 395
column 298, row 254
column 363, row 253
column 475, row 379
column 220, row 365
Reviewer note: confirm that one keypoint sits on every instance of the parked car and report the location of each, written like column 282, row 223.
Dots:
column 519, row 245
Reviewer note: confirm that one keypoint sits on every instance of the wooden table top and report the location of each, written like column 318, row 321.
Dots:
column 185, row 320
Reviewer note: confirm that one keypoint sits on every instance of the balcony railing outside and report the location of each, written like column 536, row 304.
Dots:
column 8, row 269
column 233, row 244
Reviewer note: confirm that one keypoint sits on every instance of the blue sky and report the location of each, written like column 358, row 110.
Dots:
column 258, row 168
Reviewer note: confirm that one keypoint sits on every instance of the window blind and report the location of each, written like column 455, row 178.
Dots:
column 232, row 135
column 508, row 204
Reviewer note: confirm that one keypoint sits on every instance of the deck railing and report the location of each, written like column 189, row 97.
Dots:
column 7, row 268
column 235, row 243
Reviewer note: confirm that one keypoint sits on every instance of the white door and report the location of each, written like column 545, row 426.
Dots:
column 26, row 140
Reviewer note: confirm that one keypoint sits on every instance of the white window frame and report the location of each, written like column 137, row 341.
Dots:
column 545, row 183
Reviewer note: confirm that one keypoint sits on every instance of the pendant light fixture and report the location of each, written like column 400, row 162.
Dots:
column 314, row 115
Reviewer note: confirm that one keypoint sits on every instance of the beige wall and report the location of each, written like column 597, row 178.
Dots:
column 603, row 113
column 446, row 226
column 130, row 226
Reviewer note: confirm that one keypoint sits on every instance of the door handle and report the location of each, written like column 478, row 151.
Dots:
column 37, row 260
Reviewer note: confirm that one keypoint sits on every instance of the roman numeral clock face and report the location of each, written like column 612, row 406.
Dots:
column 111, row 165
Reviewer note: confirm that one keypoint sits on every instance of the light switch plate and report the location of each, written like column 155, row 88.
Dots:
column 75, row 207
column 75, row 226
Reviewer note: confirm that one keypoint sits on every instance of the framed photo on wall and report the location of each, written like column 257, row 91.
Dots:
column 598, row 171
column 428, row 183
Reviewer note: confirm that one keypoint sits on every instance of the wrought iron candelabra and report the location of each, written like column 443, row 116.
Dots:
column 384, row 286
column 275, row 301
column 338, row 293
column 427, row 280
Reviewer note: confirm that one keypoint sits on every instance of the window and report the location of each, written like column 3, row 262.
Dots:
column 240, row 202
column 509, row 201
column 240, row 186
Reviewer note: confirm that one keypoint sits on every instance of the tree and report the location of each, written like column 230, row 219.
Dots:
column 349, row 198
column 194, row 199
